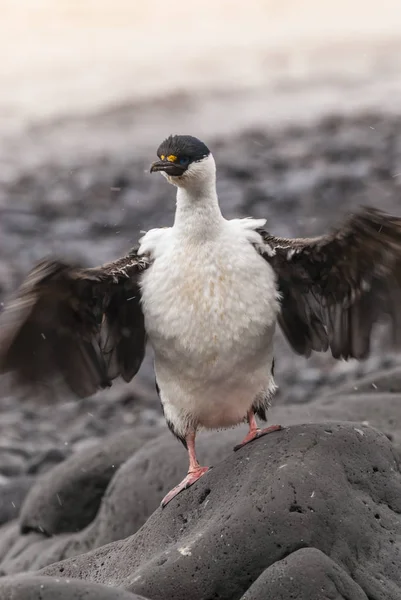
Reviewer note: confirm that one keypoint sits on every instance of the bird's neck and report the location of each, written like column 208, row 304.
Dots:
column 198, row 215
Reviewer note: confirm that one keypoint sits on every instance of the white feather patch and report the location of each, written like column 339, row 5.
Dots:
column 152, row 242
column 210, row 311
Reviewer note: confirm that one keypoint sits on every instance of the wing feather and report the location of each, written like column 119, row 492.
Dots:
column 86, row 325
column 335, row 287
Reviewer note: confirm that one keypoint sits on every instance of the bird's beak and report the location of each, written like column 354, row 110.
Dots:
column 168, row 167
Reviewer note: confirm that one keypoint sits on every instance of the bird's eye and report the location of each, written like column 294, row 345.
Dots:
column 184, row 160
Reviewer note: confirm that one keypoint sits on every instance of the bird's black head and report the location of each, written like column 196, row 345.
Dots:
column 177, row 153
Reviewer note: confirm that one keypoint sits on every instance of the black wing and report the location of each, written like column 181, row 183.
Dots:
column 85, row 324
column 335, row 287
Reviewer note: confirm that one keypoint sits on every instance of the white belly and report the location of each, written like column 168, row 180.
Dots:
column 210, row 312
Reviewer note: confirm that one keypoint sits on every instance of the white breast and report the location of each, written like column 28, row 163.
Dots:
column 210, row 311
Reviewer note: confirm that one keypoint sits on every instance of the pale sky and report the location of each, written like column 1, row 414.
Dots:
column 61, row 55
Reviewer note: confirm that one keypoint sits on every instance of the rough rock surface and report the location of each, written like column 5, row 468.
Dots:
column 138, row 486
column 306, row 574
column 380, row 410
column 127, row 505
column 68, row 497
column 50, row 588
column 34, row 436
column 334, row 487
column 133, row 494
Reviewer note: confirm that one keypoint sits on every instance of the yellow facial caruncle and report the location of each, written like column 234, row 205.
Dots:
column 162, row 156
column 171, row 158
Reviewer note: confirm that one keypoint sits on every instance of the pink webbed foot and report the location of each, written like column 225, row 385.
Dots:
column 254, row 434
column 185, row 483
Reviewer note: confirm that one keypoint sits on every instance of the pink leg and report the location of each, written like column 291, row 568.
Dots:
column 195, row 471
column 254, row 431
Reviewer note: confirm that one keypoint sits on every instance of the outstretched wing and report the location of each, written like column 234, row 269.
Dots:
column 335, row 287
column 85, row 324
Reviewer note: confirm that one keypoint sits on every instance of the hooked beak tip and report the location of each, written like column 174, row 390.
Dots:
column 169, row 168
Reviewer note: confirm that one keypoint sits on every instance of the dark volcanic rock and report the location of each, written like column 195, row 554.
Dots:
column 141, row 483
column 333, row 487
column 45, row 460
column 134, row 493
column 68, row 496
column 12, row 462
column 12, row 494
column 24, row 550
column 383, row 381
column 49, row 588
column 20, row 549
column 306, row 574
column 380, row 410
column 9, row 534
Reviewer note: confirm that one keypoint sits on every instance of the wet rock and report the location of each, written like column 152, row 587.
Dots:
column 333, row 487
column 50, row 588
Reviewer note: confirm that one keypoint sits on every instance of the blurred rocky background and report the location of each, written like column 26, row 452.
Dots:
column 300, row 103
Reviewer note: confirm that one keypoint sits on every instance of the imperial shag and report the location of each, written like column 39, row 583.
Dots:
column 207, row 293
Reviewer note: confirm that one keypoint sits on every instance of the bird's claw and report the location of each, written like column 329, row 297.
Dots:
column 185, row 483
